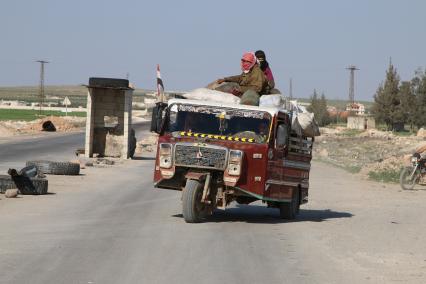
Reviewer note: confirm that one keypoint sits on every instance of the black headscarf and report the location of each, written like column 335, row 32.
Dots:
column 260, row 55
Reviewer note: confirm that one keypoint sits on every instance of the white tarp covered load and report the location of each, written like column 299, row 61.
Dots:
column 304, row 123
column 204, row 94
column 271, row 100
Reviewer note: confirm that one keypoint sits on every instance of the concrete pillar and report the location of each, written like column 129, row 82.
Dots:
column 102, row 136
column 128, row 98
column 88, row 147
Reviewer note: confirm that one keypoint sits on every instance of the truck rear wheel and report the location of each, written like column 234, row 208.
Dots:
column 193, row 210
column 289, row 210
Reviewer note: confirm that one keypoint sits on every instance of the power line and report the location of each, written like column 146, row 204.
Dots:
column 41, row 88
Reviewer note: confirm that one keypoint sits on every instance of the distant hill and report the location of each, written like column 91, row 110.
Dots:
column 77, row 94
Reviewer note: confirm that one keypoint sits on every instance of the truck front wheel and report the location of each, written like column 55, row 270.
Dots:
column 193, row 210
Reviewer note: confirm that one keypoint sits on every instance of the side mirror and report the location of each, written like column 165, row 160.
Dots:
column 157, row 118
column 282, row 136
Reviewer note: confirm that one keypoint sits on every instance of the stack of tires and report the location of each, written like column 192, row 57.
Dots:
column 25, row 185
column 31, row 179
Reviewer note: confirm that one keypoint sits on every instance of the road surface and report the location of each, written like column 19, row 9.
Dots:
column 15, row 151
column 110, row 226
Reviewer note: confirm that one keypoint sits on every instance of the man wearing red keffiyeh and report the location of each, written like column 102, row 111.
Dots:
column 251, row 83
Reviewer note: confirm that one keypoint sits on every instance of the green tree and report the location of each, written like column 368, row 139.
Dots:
column 387, row 105
column 319, row 107
column 419, row 88
column 408, row 103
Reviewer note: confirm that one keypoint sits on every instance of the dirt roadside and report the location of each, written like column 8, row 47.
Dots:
column 369, row 154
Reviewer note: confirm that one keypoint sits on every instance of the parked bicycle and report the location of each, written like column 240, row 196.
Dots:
column 413, row 174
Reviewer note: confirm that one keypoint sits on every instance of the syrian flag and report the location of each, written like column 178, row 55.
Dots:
column 160, row 86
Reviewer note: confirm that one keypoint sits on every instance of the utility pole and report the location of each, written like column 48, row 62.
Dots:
column 352, row 69
column 41, row 89
column 291, row 89
column 127, row 75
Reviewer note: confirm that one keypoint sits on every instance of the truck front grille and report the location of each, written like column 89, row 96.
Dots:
column 211, row 157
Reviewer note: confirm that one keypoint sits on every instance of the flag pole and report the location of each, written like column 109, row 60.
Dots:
column 160, row 86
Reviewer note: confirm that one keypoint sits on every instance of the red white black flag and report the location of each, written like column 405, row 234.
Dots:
column 160, row 86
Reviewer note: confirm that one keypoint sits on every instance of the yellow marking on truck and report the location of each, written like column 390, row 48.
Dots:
column 220, row 137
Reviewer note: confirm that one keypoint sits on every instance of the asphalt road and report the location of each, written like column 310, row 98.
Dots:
column 109, row 225
column 16, row 151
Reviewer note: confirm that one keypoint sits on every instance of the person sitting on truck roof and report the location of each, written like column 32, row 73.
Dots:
column 264, row 66
column 252, row 82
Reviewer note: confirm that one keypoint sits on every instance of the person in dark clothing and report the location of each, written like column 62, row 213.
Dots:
column 264, row 66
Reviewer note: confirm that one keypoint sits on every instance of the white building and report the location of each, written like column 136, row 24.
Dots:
column 356, row 108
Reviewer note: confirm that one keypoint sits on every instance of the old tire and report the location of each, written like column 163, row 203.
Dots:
column 48, row 126
column 30, row 186
column 6, row 183
column 25, row 185
column 192, row 209
column 56, row 168
column 404, row 178
column 289, row 210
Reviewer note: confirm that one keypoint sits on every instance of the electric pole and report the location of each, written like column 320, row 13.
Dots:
column 352, row 69
column 41, row 89
column 291, row 89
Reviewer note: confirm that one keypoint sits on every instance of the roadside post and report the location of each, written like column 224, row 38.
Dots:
column 66, row 103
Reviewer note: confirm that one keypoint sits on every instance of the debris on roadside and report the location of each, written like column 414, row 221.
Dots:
column 48, row 126
column 24, row 184
column 11, row 193
column 56, row 168
column 103, row 161
column 148, row 144
column 79, row 152
column 366, row 152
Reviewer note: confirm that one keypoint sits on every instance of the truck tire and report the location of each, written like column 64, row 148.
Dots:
column 48, row 126
column 289, row 210
column 6, row 183
column 25, row 185
column 56, row 168
column 108, row 83
column 192, row 209
column 30, row 186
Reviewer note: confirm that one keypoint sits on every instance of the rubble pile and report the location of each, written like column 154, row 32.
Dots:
column 62, row 124
column 5, row 130
column 148, row 144
column 365, row 151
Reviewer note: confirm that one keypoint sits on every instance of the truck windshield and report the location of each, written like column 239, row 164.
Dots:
column 218, row 121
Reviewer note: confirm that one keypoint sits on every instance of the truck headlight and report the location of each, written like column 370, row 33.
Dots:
column 166, row 150
column 234, row 162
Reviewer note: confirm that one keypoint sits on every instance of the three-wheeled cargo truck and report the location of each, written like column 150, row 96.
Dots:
column 218, row 153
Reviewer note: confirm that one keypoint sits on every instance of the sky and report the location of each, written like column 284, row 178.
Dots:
column 196, row 42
